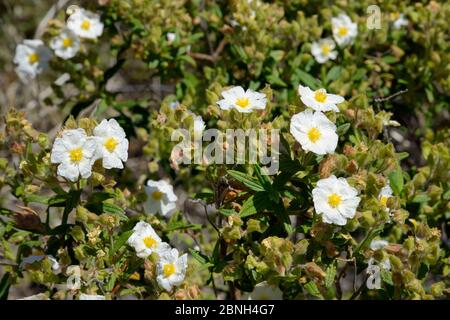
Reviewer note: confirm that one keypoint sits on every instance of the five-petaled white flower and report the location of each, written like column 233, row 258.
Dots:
column 84, row 296
column 112, row 144
column 374, row 272
column 319, row 100
column 344, row 30
column 75, row 152
column 85, row 24
column 31, row 58
column 160, row 197
column 170, row 269
column 323, row 50
column 314, row 132
column 384, row 195
column 242, row 101
column 66, row 44
column 264, row 291
column 145, row 240
column 335, row 200
column 399, row 20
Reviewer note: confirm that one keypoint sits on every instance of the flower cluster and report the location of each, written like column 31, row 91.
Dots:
column 75, row 152
column 171, row 267
column 32, row 56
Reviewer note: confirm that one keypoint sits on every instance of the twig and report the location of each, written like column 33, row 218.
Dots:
column 214, row 57
column 360, row 289
column 384, row 99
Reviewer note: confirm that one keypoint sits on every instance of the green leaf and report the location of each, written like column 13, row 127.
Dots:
column 309, row 80
column 37, row 199
column 313, row 290
column 330, row 275
column 342, row 129
column 386, row 276
column 226, row 212
column 396, row 181
column 420, row 198
column 258, row 202
column 198, row 256
column 333, row 74
column 121, row 240
column 5, row 284
column 249, row 181
column 114, row 209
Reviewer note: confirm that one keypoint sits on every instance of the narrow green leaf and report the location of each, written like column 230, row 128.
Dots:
column 330, row 275
column 396, row 181
column 247, row 180
column 313, row 290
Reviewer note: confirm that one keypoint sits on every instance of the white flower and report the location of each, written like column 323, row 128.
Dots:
column 378, row 244
column 344, row 30
column 335, row 199
column 319, row 100
column 66, row 44
column 374, row 272
column 314, row 132
column 31, row 58
column 91, row 297
column 199, row 125
column 112, row 144
column 56, row 268
column 171, row 37
column 385, row 194
column 242, row 101
column 399, row 20
column 264, row 291
column 85, row 24
column 323, row 50
column 170, row 269
column 160, row 197
column 145, row 240
column 75, row 152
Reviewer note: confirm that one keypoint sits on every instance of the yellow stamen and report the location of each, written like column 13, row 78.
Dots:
column 334, row 200
column 325, row 49
column 111, row 144
column 149, row 242
column 67, row 42
column 383, row 200
column 242, row 102
column 33, row 58
column 169, row 269
column 395, row 15
column 314, row 135
column 342, row 32
column 157, row 195
column 85, row 25
column 320, row 96
column 76, row 155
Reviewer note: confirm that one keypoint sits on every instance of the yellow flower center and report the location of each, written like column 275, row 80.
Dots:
column 157, row 195
column 325, row 49
column 383, row 200
column 314, row 134
column 334, row 200
column 85, row 25
column 342, row 32
column 33, row 58
column 149, row 242
column 67, row 42
column 111, row 144
column 76, row 154
column 242, row 102
column 169, row 269
column 320, row 96
column 395, row 15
